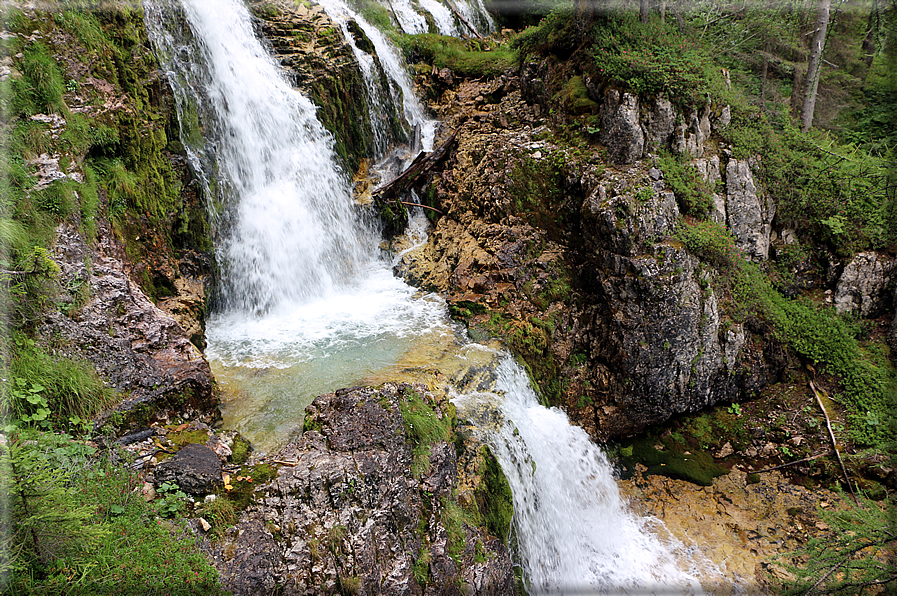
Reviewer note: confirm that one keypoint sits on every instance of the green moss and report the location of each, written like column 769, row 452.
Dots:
column 468, row 58
column 495, row 501
column 674, row 461
column 188, row 437
column 240, row 450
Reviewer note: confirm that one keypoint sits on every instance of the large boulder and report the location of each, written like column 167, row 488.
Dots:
column 195, row 468
column 749, row 211
column 864, row 286
column 348, row 515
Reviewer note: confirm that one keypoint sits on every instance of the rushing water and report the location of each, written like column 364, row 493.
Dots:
column 309, row 304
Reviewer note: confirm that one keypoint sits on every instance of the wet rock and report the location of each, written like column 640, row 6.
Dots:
column 107, row 320
column 621, row 131
column 349, row 512
column 195, row 469
column 864, row 285
column 749, row 211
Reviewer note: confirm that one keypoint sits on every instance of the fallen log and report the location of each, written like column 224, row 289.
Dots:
column 421, row 165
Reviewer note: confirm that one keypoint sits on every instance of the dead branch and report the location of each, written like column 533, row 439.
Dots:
column 793, row 463
column 421, row 165
column 831, row 435
column 410, row 204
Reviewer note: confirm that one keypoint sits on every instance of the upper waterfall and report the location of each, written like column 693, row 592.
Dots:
column 287, row 229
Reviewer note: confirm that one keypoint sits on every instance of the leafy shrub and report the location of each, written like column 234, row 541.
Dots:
column 692, row 194
column 654, row 58
column 709, row 240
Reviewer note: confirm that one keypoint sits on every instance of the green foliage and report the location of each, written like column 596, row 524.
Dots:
column 857, row 554
column 555, row 34
column 40, row 381
column 172, row 502
column 117, row 544
column 49, row 522
column 823, row 336
column 655, row 58
column 455, row 520
column 708, row 240
column 466, row 58
column 835, row 194
column 692, row 194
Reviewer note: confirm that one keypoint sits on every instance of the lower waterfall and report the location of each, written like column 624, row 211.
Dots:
column 309, row 305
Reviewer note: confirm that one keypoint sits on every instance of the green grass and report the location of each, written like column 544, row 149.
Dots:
column 134, row 552
column 70, row 388
column 424, row 429
column 692, row 194
column 464, row 58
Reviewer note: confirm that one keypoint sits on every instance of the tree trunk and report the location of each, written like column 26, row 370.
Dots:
column 644, row 7
column 823, row 8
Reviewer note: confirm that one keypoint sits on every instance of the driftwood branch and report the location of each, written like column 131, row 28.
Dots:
column 793, row 463
column 462, row 19
column 410, row 204
column 831, row 435
column 421, row 165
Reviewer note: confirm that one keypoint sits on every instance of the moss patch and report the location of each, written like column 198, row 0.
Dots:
column 672, row 461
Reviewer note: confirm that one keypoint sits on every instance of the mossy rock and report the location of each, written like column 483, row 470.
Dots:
column 672, row 461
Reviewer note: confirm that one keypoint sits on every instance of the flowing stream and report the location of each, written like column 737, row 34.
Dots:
column 308, row 304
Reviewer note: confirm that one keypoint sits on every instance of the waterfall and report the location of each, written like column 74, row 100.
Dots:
column 401, row 88
column 309, row 305
column 574, row 534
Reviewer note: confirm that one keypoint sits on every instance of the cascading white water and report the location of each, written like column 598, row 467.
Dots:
column 401, row 87
column 310, row 307
column 574, row 534
column 442, row 16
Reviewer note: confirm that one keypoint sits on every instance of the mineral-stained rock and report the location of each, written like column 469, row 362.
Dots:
column 750, row 212
column 348, row 514
column 194, row 468
column 111, row 323
column 621, row 131
column 864, row 285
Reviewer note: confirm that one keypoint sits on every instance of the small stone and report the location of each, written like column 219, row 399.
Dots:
column 206, row 526
column 655, row 174
column 149, row 491
column 210, row 498
column 725, row 451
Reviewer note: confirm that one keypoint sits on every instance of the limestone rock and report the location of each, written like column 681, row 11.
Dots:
column 659, row 123
column 106, row 319
column 350, row 512
column 864, row 285
column 692, row 131
column 194, row 468
column 709, row 171
column 621, row 131
column 749, row 211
